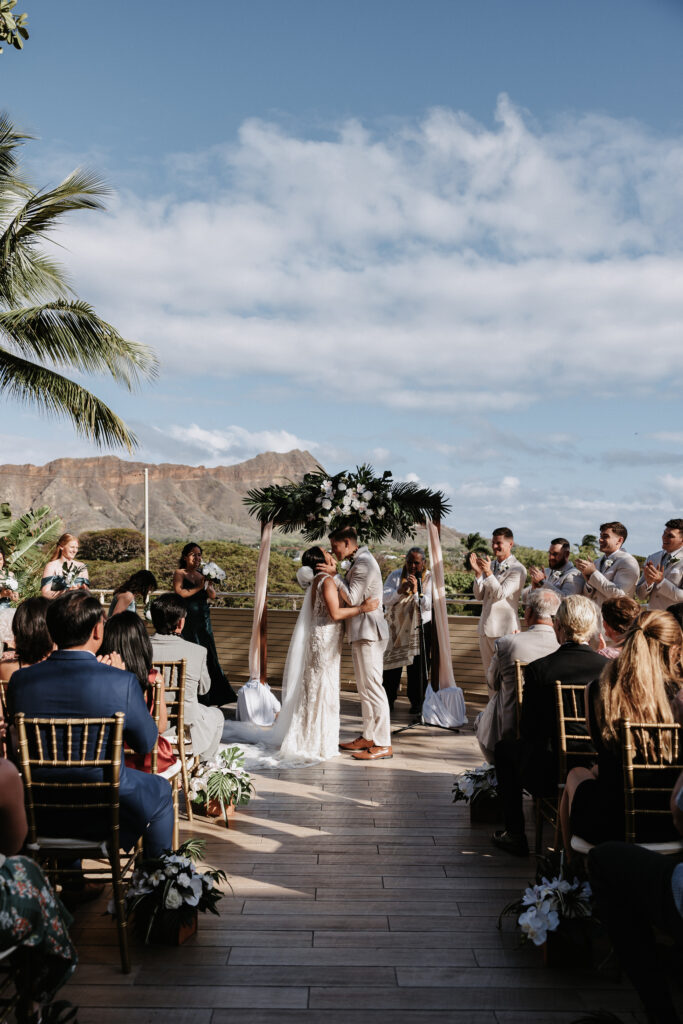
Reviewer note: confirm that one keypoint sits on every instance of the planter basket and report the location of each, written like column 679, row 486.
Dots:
column 486, row 808
column 170, row 928
column 571, row 945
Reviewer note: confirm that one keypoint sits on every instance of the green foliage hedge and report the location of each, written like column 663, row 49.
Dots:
column 118, row 545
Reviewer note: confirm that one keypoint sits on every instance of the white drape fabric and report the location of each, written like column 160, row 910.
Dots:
column 260, row 591
column 445, row 707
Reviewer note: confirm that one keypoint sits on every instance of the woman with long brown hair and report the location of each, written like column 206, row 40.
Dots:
column 643, row 685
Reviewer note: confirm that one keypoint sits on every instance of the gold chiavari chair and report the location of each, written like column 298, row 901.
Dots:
column 51, row 750
column 173, row 673
column 173, row 772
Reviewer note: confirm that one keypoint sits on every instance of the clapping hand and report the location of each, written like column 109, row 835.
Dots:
column 585, row 567
column 536, row 575
column 652, row 574
column 113, row 659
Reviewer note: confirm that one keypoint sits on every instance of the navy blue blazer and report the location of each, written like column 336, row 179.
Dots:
column 73, row 684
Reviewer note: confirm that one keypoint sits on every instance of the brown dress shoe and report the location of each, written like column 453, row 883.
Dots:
column 358, row 744
column 373, row 754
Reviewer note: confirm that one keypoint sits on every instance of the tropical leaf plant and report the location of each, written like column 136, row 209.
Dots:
column 47, row 335
column 23, row 541
column 12, row 26
column 376, row 507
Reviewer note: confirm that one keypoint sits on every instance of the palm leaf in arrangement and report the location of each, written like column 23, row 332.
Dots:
column 24, row 540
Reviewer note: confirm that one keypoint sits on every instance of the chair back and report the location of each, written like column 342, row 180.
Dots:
column 519, row 688
column 574, row 745
column 155, row 710
column 4, row 726
column 649, row 779
column 50, row 752
column 173, row 675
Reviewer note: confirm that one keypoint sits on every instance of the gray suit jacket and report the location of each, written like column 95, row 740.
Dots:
column 615, row 576
column 500, row 594
column 202, row 722
column 364, row 579
column 670, row 590
column 535, row 642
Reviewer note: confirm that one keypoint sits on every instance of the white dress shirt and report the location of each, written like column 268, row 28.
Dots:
column 391, row 595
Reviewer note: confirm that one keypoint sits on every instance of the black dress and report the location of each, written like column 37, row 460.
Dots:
column 197, row 630
column 597, row 813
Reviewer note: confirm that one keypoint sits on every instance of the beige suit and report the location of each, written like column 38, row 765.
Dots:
column 535, row 642
column 368, row 634
column 670, row 590
column 500, row 594
column 615, row 575
column 205, row 724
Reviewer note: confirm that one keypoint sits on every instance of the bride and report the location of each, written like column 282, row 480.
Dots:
column 307, row 728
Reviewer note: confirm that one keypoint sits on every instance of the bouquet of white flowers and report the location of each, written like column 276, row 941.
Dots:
column 172, row 884
column 8, row 581
column 474, row 783
column 212, row 572
column 222, row 781
column 542, row 907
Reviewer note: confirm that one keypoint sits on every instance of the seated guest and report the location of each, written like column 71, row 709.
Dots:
column 615, row 573
column 402, row 605
column 618, row 615
column 531, row 762
column 31, row 916
column 205, row 724
column 661, row 583
column 32, row 641
column 141, row 584
column 62, row 571
column 640, row 685
column 562, row 576
column 73, row 683
column 499, row 586
column 499, row 720
column 125, row 635
column 638, row 891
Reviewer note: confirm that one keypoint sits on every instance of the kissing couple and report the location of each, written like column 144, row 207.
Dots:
column 307, row 728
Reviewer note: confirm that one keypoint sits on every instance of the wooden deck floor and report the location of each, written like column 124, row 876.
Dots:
column 361, row 893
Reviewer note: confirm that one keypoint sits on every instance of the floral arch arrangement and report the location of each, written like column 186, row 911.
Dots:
column 376, row 507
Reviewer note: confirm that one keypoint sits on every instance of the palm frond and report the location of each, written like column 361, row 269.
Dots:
column 71, row 334
column 20, row 275
column 421, row 502
column 57, row 396
column 10, row 140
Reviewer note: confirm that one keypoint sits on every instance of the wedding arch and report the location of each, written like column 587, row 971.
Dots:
column 377, row 507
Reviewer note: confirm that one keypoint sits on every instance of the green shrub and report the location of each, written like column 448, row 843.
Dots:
column 118, row 545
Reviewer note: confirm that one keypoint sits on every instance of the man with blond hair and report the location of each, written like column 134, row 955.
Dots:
column 531, row 762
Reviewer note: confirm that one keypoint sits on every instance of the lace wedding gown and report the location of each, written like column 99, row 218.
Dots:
column 307, row 729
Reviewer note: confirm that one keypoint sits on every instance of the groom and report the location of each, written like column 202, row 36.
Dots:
column 367, row 634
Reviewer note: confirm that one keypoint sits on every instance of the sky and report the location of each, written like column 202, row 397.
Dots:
column 444, row 238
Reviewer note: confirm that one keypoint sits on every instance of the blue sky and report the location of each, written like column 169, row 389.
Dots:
column 443, row 237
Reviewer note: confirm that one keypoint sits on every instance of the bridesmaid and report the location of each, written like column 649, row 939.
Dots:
column 56, row 579
column 190, row 585
column 9, row 595
column 141, row 584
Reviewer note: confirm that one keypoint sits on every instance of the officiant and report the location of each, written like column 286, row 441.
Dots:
column 407, row 598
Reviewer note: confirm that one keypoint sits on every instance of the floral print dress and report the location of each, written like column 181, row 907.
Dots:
column 32, row 917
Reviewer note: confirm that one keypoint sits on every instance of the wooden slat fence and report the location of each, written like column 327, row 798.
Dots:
column 232, row 630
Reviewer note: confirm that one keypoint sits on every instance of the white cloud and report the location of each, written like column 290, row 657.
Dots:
column 220, row 447
column 436, row 267
column 668, row 437
column 673, row 485
column 484, row 493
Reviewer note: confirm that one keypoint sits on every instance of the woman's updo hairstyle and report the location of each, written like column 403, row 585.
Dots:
column 312, row 558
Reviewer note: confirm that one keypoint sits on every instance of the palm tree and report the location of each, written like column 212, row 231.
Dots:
column 23, row 542
column 43, row 326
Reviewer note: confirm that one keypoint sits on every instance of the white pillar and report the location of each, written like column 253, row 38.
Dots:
column 146, row 518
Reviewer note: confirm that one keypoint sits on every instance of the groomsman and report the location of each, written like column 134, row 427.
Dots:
column 562, row 576
column 661, row 583
column 615, row 573
column 499, row 586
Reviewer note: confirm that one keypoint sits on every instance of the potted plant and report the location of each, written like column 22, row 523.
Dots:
column 166, row 894
column 221, row 785
column 556, row 914
column 479, row 788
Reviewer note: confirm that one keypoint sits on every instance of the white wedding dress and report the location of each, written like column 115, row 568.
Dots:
column 307, row 729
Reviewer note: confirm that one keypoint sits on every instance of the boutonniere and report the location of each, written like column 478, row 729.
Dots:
column 610, row 561
column 675, row 560
column 555, row 574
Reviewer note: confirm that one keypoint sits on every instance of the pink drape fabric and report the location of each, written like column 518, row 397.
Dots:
column 261, row 589
column 439, row 614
